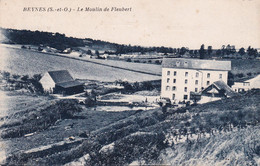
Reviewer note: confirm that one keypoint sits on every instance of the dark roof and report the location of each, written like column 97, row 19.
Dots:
column 220, row 85
column 69, row 84
column 60, row 76
column 196, row 64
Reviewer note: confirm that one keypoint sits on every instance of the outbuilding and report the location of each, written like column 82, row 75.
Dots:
column 60, row 81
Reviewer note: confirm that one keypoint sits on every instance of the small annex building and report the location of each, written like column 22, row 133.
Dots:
column 60, row 81
column 216, row 91
column 247, row 84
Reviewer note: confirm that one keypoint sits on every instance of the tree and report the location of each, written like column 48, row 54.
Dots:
column 25, row 78
column 241, row 51
column 202, row 52
column 97, row 52
column 183, row 51
column 251, row 52
column 228, row 49
column 218, row 52
column 89, row 52
column 209, row 50
column 37, row 77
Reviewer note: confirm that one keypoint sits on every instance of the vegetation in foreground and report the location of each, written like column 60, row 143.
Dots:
column 156, row 137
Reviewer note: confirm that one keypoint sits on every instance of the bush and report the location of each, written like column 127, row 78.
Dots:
column 38, row 120
column 89, row 102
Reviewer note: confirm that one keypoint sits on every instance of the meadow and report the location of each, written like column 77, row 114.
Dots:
column 23, row 62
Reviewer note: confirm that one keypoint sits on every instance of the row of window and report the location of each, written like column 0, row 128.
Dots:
column 174, row 88
column 186, row 74
column 185, row 97
column 186, row 81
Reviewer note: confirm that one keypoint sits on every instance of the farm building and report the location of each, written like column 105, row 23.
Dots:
column 60, row 81
column 216, row 91
column 182, row 76
column 247, row 84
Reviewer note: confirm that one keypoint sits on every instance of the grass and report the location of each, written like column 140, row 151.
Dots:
column 245, row 66
column 232, row 148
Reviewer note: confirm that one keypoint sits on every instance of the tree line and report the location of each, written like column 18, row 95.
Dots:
column 61, row 42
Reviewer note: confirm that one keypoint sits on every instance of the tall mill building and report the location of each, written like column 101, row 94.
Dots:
column 181, row 76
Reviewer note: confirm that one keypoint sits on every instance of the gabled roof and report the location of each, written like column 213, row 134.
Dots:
column 60, row 76
column 196, row 64
column 220, row 85
column 69, row 84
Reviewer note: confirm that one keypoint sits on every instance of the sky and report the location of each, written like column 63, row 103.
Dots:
column 170, row 23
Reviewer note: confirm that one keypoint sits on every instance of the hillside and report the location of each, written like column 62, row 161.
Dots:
column 222, row 132
column 26, row 62
column 61, row 42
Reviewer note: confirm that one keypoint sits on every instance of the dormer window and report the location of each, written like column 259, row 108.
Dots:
column 186, row 64
column 178, row 63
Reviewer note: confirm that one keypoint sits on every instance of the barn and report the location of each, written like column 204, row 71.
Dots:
column 60, row 81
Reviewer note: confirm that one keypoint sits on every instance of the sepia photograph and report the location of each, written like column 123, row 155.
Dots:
column 130, row 82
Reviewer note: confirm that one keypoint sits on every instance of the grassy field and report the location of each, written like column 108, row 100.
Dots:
column 245, row 66
column 19, row 61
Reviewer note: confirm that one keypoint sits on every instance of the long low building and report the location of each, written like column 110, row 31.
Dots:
column 182, row 76
column 60, row 81
column 247, row 84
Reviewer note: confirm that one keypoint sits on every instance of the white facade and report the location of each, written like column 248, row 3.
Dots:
column 176, row 86
column 253, row 83
column 178, row 82
column 47, row 83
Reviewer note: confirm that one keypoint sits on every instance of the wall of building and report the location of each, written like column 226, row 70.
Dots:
column 253, row 83
column 241, row 86
column 47, row 83
column 180, row 85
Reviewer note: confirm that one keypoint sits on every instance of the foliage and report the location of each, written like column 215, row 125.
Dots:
column 41, row 119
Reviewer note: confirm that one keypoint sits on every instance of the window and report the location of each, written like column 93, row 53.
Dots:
column 168, row 80
column 197, row 74
column 186, row 81
column 185, row 64
column 196, row 82
column 185, row 97
column 167, row 88
column 186, row 74
column 173, row 88
column 220, row 76
column 185, row 89
column 208, row 75
column 168, row 73
column 175, row 73
column 178, row 63
column 174, row 81
column 208, row 82
column 196, row 89
column 173, row 96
